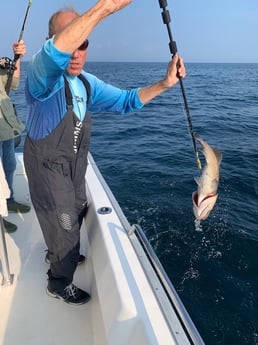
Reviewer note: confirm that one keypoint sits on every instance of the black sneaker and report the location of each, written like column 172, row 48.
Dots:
column 9, row 227
column 17, row 207
column 80, row 261
column 70, row 294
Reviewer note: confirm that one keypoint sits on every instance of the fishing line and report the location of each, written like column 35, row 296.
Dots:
column 173, row 50
column 16, row 56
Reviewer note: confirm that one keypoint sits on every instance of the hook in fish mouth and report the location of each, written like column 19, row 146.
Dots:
column 203, row 208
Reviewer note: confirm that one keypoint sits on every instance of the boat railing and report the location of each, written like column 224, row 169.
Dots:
column 175, row 300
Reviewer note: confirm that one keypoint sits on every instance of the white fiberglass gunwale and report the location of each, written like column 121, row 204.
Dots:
column 129, row 304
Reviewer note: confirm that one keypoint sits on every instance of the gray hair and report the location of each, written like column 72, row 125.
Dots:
column 52, row 19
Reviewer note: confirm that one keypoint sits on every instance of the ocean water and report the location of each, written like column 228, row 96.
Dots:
column 147, row 158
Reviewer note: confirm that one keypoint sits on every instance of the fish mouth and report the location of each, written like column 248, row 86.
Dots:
column 196, row 201
column 203, row 208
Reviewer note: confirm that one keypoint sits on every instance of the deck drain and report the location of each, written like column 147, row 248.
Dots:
column 104, row 210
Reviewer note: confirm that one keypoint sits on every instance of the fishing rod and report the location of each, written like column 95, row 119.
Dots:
column 173, row 50
column 16, row 56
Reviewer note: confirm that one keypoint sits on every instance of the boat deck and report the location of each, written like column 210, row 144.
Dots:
column 128, row 305
column 28, row 315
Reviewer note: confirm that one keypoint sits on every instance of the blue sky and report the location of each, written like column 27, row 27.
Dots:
column 205, row 31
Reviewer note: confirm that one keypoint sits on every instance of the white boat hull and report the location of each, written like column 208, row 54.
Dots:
column 129, row 305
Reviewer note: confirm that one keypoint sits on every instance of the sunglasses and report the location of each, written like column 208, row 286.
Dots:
column 84, row 45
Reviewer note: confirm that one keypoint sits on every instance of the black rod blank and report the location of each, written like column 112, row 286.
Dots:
column 173, row 50
column 16, row 56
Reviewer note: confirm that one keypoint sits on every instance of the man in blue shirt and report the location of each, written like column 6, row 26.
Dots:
column 59, row 94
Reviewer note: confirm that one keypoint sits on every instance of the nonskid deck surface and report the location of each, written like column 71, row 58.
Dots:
column 28, row 315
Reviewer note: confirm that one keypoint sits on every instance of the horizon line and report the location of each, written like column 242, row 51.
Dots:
column 141, row 61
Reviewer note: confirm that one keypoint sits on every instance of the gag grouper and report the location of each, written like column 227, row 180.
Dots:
column 206, row 196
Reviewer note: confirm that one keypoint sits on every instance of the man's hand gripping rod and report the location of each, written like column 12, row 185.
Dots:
column 16, row 56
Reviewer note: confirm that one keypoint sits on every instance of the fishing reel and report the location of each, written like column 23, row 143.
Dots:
column 7, row 64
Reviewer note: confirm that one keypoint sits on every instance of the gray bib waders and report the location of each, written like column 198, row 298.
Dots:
column 56, row 167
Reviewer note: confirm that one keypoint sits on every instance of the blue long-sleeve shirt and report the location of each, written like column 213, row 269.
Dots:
column 46, row 99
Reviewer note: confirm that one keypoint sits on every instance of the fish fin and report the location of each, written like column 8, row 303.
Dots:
column 198, row 180
column 217, row 154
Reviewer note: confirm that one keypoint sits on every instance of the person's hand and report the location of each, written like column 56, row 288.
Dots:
column 175, row 70
column 19, row 48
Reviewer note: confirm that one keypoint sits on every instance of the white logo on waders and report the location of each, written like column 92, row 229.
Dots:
column 76, row 133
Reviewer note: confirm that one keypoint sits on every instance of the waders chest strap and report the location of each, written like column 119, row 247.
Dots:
column 68, row 94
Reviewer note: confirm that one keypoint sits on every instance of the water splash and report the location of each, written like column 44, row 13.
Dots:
column 198, row 226
column 190, row 274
